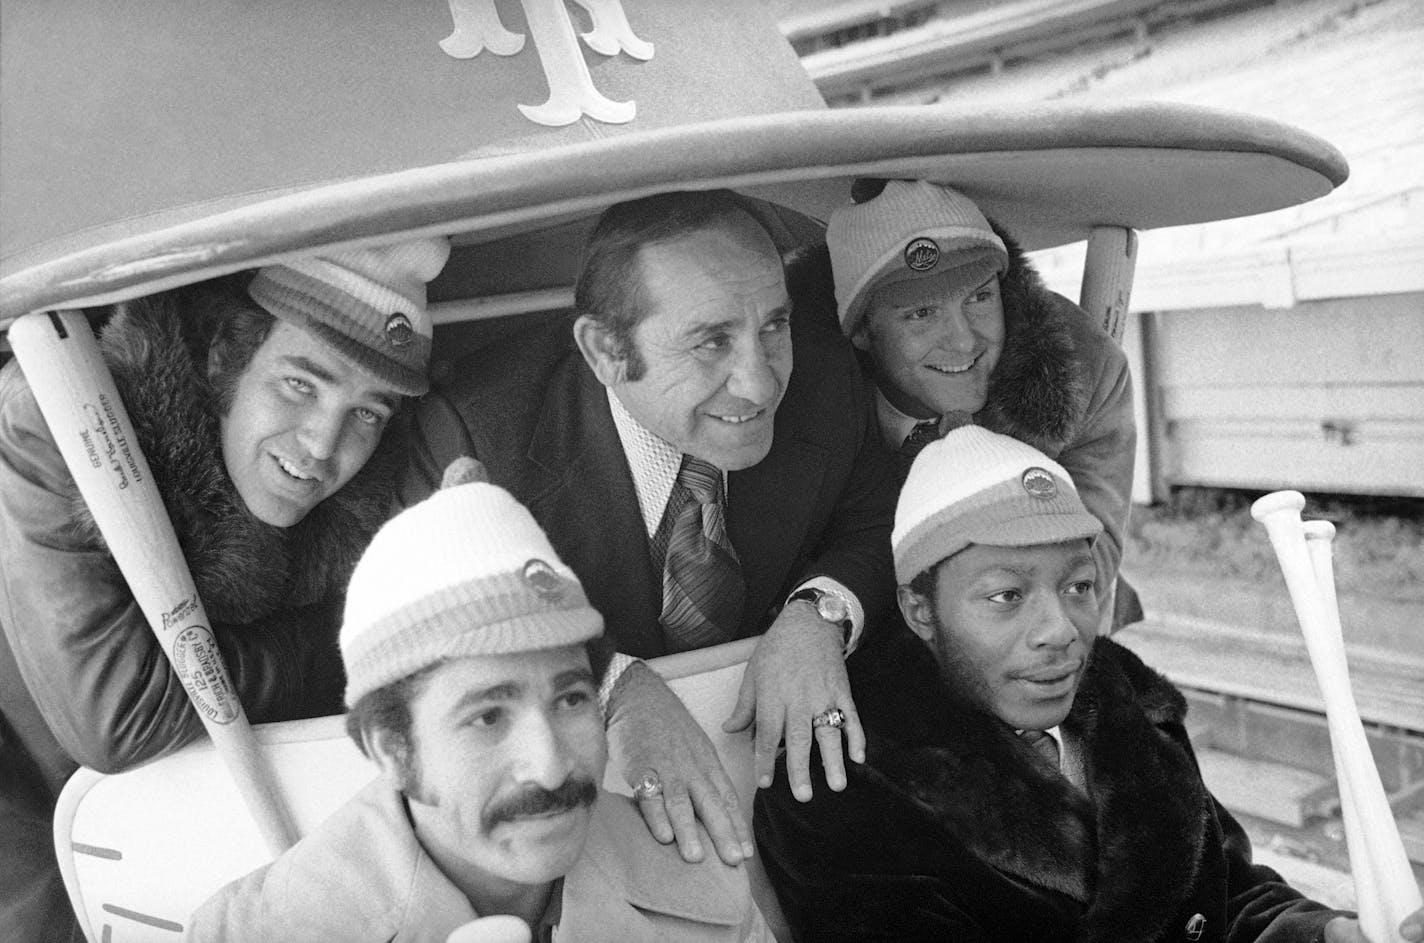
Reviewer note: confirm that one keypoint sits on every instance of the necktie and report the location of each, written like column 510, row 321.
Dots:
column 922, row 435
column 1044, row 744
column 702, row 578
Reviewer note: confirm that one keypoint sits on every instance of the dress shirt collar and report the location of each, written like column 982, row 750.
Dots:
column 652, row 461
column 894, row 424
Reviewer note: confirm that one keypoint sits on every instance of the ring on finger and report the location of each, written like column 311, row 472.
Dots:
column 831, row 717
column 648, row 787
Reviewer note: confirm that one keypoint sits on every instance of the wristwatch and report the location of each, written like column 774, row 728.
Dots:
column 831, row 606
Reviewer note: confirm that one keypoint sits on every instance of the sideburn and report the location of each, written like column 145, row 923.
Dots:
column 959, row 674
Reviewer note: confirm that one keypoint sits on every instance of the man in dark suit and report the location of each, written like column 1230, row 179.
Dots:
column 708, row 464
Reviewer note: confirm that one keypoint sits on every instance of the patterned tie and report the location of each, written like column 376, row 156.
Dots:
column 703, row 593
column 1044, row 743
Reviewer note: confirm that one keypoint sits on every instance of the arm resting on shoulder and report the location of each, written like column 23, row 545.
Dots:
column 854, row 549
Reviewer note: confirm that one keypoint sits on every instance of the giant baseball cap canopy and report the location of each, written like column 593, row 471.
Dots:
column 144, row 146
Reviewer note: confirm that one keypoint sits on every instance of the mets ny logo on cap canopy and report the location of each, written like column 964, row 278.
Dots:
column 571, row 90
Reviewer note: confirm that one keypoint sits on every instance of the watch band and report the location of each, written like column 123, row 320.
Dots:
column 830, row 606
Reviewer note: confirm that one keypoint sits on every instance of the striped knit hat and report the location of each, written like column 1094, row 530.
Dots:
column 978, row 487
column 369, row 304
column 911, row 227
column 465, row 572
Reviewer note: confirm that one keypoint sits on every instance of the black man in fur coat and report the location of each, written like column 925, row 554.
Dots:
column 1025, row 779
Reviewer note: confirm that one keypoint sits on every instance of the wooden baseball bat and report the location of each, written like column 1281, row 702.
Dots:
column 78, row 399
column 1388, row 892
column 1318, row 536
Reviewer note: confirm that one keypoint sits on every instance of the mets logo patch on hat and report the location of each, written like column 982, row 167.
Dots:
column 544, row 580
column 1039, row 483
column 399, row 332
column 922, row 254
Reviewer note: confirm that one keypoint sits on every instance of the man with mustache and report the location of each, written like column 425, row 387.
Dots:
column 469, row 686
column 1024, row 779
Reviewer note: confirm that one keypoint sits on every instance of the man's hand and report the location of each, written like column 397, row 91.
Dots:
column 1347, row 929
column 650, row 731
column 796, row 673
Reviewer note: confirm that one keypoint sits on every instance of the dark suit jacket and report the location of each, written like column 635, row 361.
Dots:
column 821, row 502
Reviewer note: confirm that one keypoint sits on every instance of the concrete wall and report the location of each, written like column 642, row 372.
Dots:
column 1325, row 396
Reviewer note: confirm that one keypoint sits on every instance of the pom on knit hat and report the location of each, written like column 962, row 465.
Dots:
column 911, row 227
column 979, row 487
column 465, row 572
column 369, row 304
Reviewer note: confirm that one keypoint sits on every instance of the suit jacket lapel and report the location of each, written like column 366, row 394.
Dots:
column 769, row 510
column 589, row 507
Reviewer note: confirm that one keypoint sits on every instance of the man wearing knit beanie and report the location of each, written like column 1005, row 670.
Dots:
column 1025, row 779
column 261, row 402
column 951, row 319
column 469, row 687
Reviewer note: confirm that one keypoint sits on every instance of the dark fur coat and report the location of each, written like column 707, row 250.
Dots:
column 1039, row 390
column 953, row 829
column 86, row 680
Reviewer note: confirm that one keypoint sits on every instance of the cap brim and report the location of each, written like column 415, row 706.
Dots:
column 971, row 245
column 1032, row 530
column 1048, row 172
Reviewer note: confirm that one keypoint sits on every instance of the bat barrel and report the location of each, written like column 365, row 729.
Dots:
column 94, row 434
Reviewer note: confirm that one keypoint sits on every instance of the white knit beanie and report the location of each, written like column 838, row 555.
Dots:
column 978, row 487
column 467, row 571
column 367, row 303
column 911, row 227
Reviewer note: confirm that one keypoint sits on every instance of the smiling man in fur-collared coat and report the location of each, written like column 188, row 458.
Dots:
column 1023, row 780
column 261, row 404
column 952, row 321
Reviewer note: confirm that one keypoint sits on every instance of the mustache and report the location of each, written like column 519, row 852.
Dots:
column 572, row 794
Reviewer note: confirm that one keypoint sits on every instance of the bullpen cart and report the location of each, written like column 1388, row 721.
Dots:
column 154, row 146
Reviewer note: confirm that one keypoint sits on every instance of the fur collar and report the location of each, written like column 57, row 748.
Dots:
column 244, row 569
column 1038, row 392
column 1129, row 851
